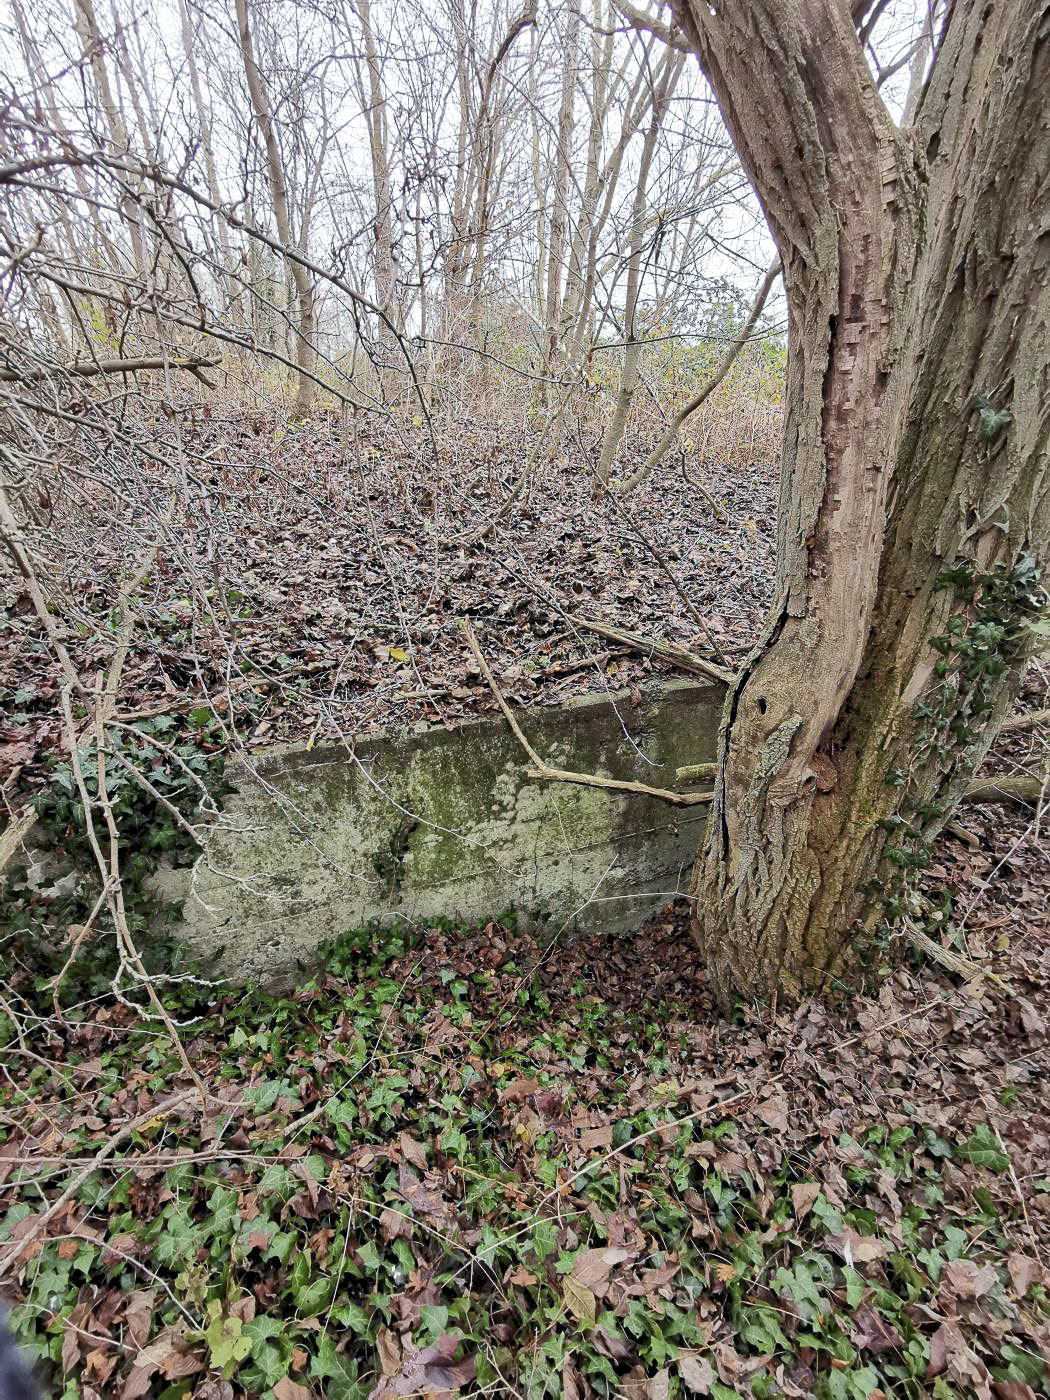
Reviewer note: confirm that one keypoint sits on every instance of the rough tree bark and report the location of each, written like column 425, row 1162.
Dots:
column 917, row 270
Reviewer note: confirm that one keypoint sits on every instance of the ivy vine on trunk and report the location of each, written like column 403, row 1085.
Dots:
column 917, row 269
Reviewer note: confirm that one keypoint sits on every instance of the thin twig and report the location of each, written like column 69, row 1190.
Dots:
column 544, row 772
column 658, row 646
column 42, row 1221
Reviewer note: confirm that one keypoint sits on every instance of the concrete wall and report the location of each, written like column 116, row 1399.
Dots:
column 434, row 823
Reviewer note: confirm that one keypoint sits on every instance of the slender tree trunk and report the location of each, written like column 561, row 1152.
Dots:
column 663, row 87
column 383, row 224
column 488, row 140
column 917, row 271
column 91, row 42
column 306, row 318
column 559, row 221
column 233, row 289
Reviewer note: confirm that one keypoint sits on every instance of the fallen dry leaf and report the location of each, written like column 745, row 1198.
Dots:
column 970, row 1280
column 287, row 1389
column 871, row 1333
column 413, row 1151
column 1024, row 1272
column 697, row 1373
column 593, row 1267
column 803, row 1196
column 579, row 1300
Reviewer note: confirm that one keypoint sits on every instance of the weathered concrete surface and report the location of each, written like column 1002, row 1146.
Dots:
column 437, row 823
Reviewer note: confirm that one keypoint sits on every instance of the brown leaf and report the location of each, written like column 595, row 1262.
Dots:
column 635, row 1384
column 423, row 1199
column 570, row 1390
column 615, row 1348
column 696, row 1372
column 858, row 1249
column 99, row 1364
column 213, row 1389
column 180, row 1364
column 872, row 1333
column 803, row 1197
column 938, row 1359
column 655, row 1279
column 949, row 1352
column 1024, row 1272
column 659, row 1386
column 592, row 1267
column 393, row 1223
column 520, row 1090
column 593, row 1138
column 287, row 1389
column 968, row 1279
column 70, row 1349
column 389, row 1352
column 138, row 1317
column 432, row 1372
column 244, row 1308
column 774, row 1112
column 1013, row 1390
column 413, row 1151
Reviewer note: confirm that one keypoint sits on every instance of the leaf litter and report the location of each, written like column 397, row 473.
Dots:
column 300, row 595
column 478, row 1161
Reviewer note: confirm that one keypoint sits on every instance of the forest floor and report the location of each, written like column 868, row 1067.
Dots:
column 307, row 595
column 479, row 1162
column 483, row 1161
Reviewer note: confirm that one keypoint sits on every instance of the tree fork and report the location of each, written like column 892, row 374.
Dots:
column 918, row 277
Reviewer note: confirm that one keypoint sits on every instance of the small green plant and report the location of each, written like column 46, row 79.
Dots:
column 160, row 781
column 987, row 634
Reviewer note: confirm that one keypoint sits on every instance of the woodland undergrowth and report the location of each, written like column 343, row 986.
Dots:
column 483, row 1162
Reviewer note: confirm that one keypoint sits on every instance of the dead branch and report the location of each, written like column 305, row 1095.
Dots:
column 14, row 834
column 658, row 646
column 948, row 958
column 649, row 24
column 86, row 368
column 1032, row 719
column 543, row 771
column 696, row 773
column 1020, row 790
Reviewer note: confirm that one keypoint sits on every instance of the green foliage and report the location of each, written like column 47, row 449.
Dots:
column 423, row 1202
column 989, row 632
column 990, row 422
column 154, row 819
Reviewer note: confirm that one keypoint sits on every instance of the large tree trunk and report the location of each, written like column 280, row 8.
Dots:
column 917, row 269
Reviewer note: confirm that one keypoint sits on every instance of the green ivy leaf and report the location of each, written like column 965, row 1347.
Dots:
column 983, row 1149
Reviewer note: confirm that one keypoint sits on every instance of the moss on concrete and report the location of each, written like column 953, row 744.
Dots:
column 445, row 823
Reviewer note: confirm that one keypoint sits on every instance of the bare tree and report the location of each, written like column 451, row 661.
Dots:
column 663, row 86
column 306, row 319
